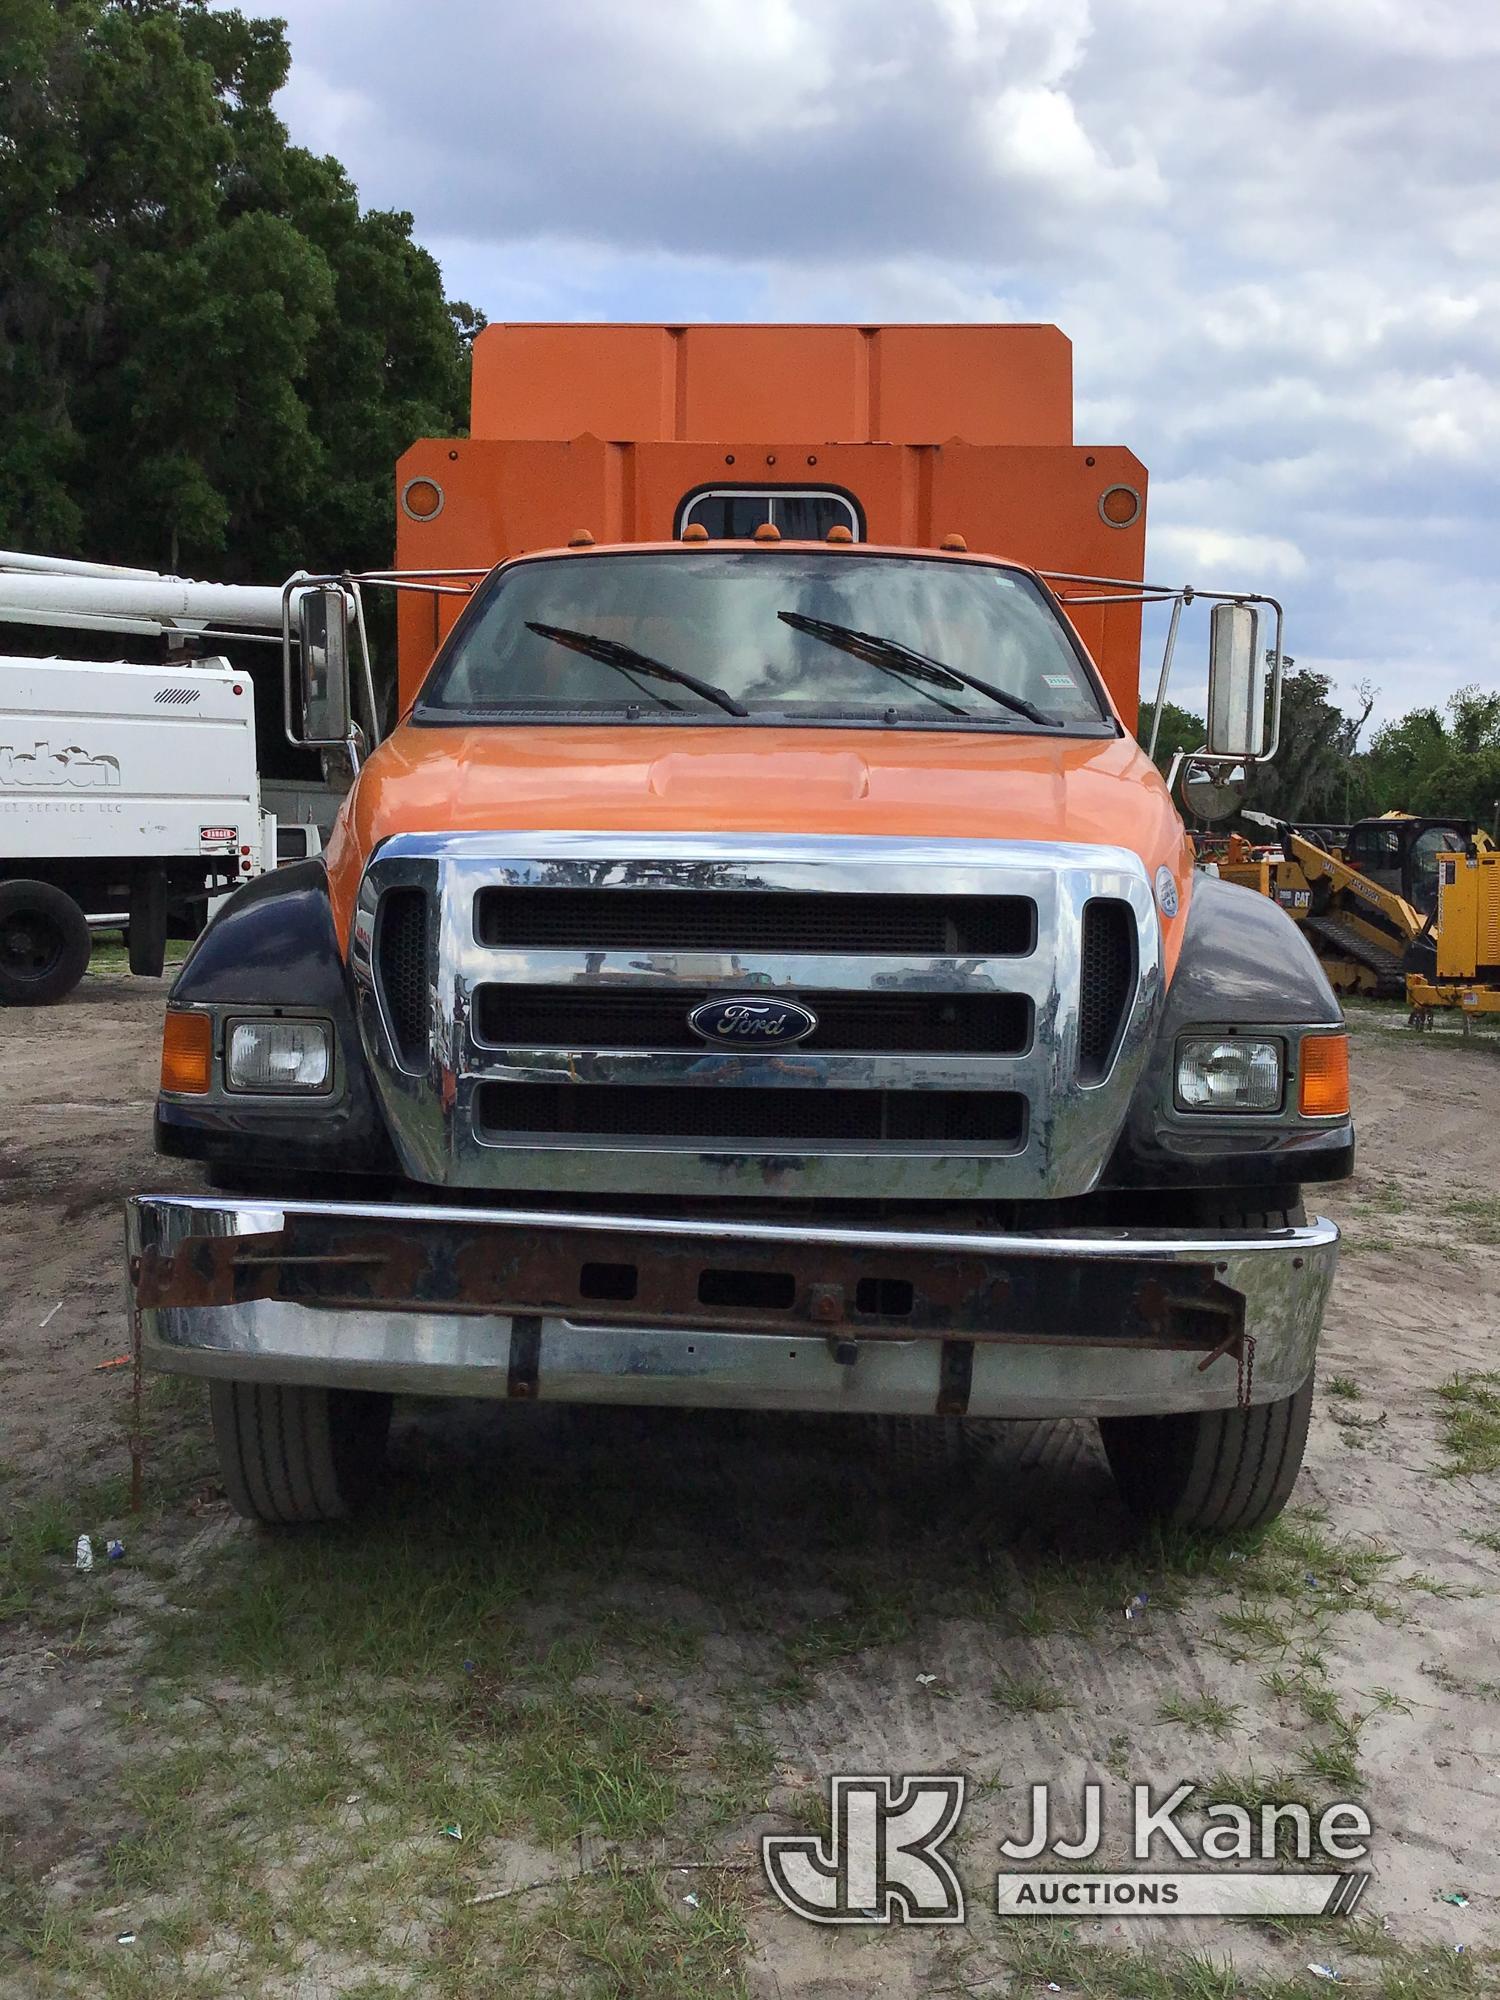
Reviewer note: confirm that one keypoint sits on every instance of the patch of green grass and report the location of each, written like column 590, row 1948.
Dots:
column 1381, row 1197
column 1018, row 1695
column 874, row 1617
column 1484, row 1538
column 1039, row 1954
column 667, row 1641
column 1470, row 1419
column 38, row 1542
column 107, row 956
column 1479, row 1216
column 602, row 1938
column 1201, row 1712
column 1345, row 1388
column 1257, row 1630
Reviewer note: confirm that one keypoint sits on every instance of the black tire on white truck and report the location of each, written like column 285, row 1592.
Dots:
column 44, row 944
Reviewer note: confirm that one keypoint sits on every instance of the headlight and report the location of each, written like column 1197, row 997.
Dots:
column 277, row 1056
column 1239, row 1073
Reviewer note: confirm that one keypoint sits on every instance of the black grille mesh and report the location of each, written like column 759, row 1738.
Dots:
column 714, row 1116
column 401, row 961
column 1108, row 983
column 591, row 1017
column 750, row 921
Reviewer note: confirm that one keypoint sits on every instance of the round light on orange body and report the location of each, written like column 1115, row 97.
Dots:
column 695, row 532
column 838, row 533
column 580, row 539
column 421, row 499
column 1119, row 506
column 954, row 544
column 767, row 532
column 187, row 1052
column 1323, row 1087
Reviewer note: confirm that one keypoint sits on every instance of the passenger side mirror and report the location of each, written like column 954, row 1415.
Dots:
column 1236, row 683
column 323, row 628
column 1211, row 791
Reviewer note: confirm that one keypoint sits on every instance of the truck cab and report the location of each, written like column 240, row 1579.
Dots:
column 760, row 969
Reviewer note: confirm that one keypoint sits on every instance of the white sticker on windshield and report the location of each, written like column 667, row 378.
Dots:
column 1058, row 680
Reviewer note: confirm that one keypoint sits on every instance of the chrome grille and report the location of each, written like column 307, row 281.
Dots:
column 592, row 1017
column 709, row 1116
column 983, row 1009
column 742, row 921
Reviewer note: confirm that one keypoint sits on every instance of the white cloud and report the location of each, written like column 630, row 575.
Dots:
column 1271, row 230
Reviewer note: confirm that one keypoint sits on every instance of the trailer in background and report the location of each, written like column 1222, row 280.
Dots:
column 124, row 791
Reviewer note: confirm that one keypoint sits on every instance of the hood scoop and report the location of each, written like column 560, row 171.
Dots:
column 713, row 776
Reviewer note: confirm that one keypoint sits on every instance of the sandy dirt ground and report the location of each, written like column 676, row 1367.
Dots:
column 769, row 1571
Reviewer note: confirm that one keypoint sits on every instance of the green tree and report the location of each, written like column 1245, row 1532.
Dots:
column 1180, row 730
column 209, row 356
column 1311, row 777
column 1423, row 763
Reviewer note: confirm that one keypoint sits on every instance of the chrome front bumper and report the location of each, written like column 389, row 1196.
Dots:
column 432, row 1300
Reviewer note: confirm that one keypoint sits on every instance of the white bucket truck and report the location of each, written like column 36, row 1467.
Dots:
column 128, row 793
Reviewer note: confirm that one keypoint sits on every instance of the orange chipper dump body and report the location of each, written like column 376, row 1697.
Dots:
column 761, row 970
column 627, row 431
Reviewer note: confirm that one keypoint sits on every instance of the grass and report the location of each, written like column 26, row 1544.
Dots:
column 1345, row 1388
column 1470, row 1418
column 531, row 1655
column 110, row 957
column 1018, row 1695
column 1048, row 1953
column 1201, row 1712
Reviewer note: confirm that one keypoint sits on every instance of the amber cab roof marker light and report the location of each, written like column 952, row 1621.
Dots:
column 955, row 545
column 767, row 532
column 695, row 532
column 187, row 1053
column 1323, row 1086
column 580, row 539
column 838, row 533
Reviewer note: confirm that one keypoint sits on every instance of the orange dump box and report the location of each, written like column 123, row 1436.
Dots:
column 900, row 434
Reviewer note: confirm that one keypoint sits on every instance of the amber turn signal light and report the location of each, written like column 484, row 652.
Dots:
column 187, row 1053
column 1323, row 1088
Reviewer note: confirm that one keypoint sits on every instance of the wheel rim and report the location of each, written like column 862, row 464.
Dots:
column 31, row 945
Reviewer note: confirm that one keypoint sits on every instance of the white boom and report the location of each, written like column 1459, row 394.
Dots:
column 51, row 590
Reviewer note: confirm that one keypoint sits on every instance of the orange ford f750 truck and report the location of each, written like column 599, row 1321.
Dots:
column 760, row 969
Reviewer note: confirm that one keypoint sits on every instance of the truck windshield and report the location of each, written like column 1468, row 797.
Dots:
column 765, row 635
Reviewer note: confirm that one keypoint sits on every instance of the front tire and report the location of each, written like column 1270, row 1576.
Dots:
column 44, row 944
column 1218, row 1472
column 296, row 1454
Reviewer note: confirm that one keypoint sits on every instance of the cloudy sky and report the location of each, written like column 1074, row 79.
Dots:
column 1270, row 227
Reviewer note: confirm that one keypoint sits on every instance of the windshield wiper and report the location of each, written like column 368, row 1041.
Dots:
column 594, row 646
column 898, row 659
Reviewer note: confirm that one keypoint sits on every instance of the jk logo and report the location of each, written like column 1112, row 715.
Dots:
column 881, row 1858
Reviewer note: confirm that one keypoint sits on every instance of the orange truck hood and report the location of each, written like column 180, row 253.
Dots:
column 635, row 779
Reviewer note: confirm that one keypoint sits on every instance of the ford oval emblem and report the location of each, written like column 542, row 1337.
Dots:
column 745, row 1023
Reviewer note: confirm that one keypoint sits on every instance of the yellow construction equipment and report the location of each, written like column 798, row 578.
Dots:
column 1400, row 907
column 1465, row 971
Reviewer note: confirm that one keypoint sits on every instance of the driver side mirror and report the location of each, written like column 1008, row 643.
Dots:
column 1236, row 683
column 323, row 628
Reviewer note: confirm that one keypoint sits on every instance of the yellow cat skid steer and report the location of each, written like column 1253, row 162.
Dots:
column 1404, row 907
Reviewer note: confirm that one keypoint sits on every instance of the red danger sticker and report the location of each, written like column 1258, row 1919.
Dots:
column 219, row 833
